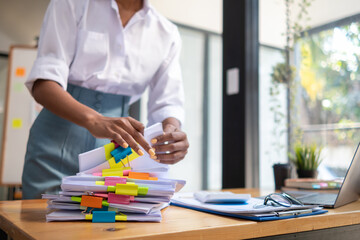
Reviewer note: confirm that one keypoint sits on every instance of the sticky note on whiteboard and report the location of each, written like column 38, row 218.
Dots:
column 17, row 123
column 232, row 81
column 20, row 72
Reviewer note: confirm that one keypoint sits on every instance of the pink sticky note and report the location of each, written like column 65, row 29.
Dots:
column 99, row 174
column 103, row 195
column 132, row 198
column 112, row 181
column 126, row 172
column 119, row 199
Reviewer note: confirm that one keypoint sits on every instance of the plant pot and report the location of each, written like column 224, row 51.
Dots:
column 307, row 173
column 281, row 172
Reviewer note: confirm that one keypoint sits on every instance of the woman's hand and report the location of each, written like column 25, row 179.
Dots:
column 126, row 131
column 172, row 146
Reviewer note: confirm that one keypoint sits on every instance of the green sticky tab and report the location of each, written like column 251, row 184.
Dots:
column 105, row 203
column 111, row 188
column 76, row 199
column 108, row 148
column 143, row 191
column 127, row 189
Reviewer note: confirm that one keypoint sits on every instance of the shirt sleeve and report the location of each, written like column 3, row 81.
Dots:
column 166, row 92
column 56, row 44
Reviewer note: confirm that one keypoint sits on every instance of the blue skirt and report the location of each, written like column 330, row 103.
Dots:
column 55, row 143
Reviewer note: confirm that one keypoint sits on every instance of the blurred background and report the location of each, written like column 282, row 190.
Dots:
column 321, row 106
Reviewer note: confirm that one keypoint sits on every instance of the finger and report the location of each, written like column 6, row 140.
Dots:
column 131, row 141
column 169, row 128
column 137, row 125
column 171, row 158
column 173, row 136
column 119, row 140
column 172, row 147
column 137, row 136
column 141, row 140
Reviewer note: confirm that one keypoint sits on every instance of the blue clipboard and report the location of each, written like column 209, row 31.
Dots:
column 260, row 219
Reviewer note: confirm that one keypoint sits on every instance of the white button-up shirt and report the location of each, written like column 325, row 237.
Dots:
column 83, row 42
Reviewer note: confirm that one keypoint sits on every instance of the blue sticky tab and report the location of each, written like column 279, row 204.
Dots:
column 103, row 216
column 121, row 153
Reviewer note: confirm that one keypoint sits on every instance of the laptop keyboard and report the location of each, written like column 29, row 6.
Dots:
column 315, row 198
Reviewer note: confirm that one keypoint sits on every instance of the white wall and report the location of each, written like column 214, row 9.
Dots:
column 204, row 14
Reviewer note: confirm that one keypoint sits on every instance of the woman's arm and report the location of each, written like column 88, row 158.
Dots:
column 124, row 130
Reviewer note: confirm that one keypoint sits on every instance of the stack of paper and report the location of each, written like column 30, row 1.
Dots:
column 114, row 184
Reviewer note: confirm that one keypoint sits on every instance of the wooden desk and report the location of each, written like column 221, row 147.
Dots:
column 26, row 220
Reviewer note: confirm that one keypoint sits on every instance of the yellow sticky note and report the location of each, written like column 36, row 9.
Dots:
column 108, row 148
column 127, row 189
column 20, row 72
column 112, row 172
column 17, row 123
column 120, row 217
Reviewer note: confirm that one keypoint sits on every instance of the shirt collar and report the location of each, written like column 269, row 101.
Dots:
column 144, row 10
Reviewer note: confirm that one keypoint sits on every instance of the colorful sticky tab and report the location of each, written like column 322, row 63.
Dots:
column 126, row 172
column 139, row 175
column 116, row 145
column 20, row 72
column 127, row 189
column 17, row 123
column 103, row 216
column 112, row 172
column 112, row 181
column 120, row 153
column 108, row 148
column 142, row 191
column 119, row 199
column 111, row 189
column 91, row 201
column 103, row 195
column 99, row 183
column 121, row 217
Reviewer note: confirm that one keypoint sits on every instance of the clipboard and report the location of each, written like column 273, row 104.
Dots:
column 253, row 218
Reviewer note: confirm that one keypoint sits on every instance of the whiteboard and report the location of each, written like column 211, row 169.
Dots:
column 20, row 112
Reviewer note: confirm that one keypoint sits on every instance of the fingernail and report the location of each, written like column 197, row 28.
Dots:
column 154, row 140
column 140, row 152
column 154, row 157
column 152, row 152
column 125, row 145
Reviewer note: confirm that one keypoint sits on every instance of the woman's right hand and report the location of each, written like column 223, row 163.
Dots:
column 125, row 131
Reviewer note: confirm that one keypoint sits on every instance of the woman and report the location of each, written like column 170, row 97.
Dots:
column 94, row 58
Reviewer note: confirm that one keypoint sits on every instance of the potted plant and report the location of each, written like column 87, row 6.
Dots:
column 306, row 159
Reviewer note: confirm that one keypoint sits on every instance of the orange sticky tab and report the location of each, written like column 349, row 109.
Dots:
column 139, row 175
column 20, row 72
column 153, row 178
column 91, row 201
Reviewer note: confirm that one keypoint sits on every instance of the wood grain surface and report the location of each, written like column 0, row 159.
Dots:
column 26, row 220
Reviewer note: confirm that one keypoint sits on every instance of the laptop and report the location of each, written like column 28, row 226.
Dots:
column 349, row 191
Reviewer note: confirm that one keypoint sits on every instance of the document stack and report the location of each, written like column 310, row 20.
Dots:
column 115, row 184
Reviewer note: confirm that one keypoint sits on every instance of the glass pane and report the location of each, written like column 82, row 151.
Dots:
column 215, row 113
column 192, row 66
column 3, row 80
column 330, row 100
column 272, row 117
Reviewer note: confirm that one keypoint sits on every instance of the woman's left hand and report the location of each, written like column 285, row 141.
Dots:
column 172, row 146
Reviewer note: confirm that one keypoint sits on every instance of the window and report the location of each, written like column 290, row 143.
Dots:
column 201, row 64
column 329, row 94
